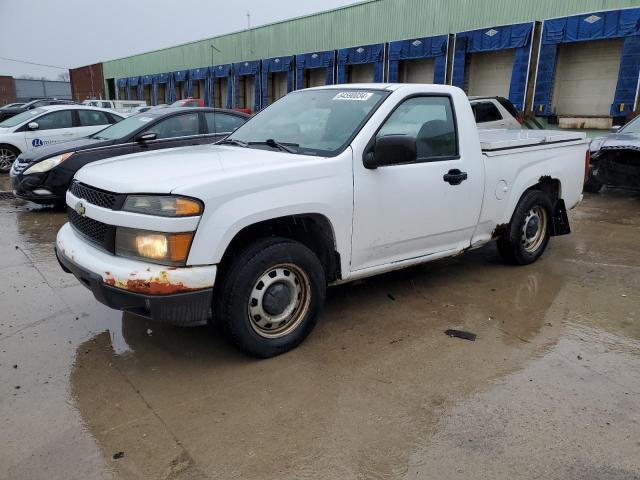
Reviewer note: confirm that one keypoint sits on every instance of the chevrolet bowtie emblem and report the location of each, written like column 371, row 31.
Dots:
column 80, row 209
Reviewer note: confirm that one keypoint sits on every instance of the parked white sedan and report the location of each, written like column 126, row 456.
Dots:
column 48, row 125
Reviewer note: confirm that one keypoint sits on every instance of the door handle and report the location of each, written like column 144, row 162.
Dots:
column 454, row 177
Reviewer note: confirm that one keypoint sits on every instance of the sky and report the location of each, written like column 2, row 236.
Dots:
column 73, row 33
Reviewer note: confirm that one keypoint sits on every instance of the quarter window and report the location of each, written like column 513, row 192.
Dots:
column 177, row 126
column 222, row 123
column 430, row 121
column 90, row 118
column 486, row 112
column 54, row 120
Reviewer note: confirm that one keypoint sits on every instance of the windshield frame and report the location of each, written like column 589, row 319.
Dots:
column 384, row 94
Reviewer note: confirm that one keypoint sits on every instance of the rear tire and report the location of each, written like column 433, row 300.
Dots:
column 270, row 296
column 8, row 155
column 529, row 231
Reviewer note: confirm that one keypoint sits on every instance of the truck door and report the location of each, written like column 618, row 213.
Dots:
column 420, row 208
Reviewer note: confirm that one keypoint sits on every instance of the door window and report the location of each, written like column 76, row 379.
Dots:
column 90, row 118
column 223, row 123
column 54, row 120
column 486, row 112
column 430, row 121
column 177, row 126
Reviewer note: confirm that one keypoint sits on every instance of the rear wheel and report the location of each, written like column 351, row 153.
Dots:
column 270, row 296
column 528, row 233
column 8, row 154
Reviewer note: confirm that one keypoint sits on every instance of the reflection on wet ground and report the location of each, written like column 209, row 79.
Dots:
column 550, row 388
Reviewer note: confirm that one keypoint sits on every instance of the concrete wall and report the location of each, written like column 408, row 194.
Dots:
column 28, row 89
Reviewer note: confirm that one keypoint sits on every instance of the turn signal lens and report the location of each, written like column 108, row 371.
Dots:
column 155, row 247
column 162, row 205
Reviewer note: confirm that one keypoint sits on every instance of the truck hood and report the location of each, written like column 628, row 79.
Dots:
column 168, row 170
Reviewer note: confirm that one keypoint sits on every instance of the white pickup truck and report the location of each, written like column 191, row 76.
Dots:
column 325, row 186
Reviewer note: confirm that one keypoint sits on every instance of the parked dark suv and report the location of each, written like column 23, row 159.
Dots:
column 43, row 175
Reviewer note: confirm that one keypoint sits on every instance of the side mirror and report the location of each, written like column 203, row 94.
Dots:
column 615, row 128
column 146, row 137
column 33, row 126
column 391, row 150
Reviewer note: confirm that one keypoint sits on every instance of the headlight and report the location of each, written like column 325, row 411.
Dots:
column 162, row 205
column 47, row 164
column 155, row 247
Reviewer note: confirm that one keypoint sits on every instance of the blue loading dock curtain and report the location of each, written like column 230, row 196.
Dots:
column 417, row 48
column 178, row 80
column 120, row 83
column 133, row 82
column 359, row 56
column 310, row 61
column 591, row 26
column 243, row 69
column 274, row 65
column 161, row 79
column 517, row 36
column 222, row 71
column 197, row 75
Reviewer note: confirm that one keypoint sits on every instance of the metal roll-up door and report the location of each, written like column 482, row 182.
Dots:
column 146, row 93
column 585, row 77
column 246, row 91
column 315, row 77
column 417, row 71
column 277, row 86
column 220, row 91
column 489, row 73
column 162, row 93
column 362, row 73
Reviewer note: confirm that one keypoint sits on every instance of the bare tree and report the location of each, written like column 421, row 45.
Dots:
column 64, row 76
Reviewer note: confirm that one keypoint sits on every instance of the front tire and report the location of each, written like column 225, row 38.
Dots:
column 8, row 155
column 271, row 296
column 529, row 231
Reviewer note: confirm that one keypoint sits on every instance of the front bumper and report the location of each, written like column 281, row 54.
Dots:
column 179, row 296
column 24, row 187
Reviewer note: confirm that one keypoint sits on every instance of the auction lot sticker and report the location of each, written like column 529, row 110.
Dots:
column 355, row 96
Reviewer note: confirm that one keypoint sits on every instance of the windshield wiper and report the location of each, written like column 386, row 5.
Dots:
column 270, row 142
column 233, row 141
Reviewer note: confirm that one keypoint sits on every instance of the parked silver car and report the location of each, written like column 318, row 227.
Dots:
column 615, row 158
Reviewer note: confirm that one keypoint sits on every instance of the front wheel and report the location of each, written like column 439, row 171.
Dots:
column 271, row 296
column 8, row 155
column 529, row 231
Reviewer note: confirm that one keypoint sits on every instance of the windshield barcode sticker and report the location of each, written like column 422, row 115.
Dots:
column 357, row 96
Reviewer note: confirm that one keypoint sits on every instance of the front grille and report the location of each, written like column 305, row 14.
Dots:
column 93, row 195
column 96, row 232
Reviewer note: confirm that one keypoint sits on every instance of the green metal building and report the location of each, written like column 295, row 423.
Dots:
column 378, row 22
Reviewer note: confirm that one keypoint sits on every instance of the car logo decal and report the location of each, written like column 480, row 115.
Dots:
column 36, row 142
column 80, row 210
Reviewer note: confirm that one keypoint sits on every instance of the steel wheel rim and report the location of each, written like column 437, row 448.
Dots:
column 7, row 158
column 282, row 277
column 534, row 229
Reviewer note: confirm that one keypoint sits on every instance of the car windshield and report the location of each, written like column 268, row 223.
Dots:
column 313, row 122
column 22, row 117
column 632, row 127
column 124, row 127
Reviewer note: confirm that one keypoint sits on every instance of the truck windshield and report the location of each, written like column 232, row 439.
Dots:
column 311, row 122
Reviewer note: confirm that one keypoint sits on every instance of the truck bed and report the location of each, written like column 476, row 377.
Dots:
column 503, row 140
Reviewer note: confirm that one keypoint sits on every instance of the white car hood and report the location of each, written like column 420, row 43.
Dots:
column 165, row 171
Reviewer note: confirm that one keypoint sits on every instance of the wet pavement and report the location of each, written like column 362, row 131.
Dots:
column 550, row 389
